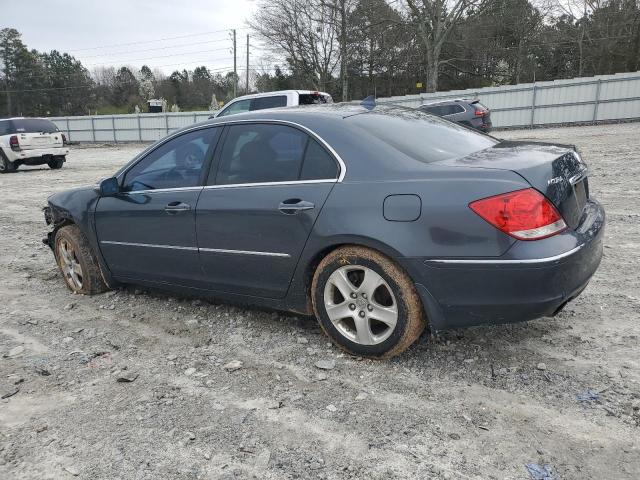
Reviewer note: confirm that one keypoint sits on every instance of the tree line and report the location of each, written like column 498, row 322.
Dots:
column 35, row 83
column 351, row 49
column 356, row 48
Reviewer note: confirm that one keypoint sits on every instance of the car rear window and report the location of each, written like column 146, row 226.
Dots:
column 443, row 109
column 32, row 125
column 313, row 99
column 262, row 103
column 421, row 136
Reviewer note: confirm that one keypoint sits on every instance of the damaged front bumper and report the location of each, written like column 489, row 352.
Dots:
column 49, row 220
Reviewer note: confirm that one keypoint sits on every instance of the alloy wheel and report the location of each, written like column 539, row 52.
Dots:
column 70, row 265
column 360, row 304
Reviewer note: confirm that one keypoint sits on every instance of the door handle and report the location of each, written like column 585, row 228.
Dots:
column 295, row 205
column 177, row 207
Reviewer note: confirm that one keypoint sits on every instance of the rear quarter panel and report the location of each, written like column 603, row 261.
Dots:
column 446, row 226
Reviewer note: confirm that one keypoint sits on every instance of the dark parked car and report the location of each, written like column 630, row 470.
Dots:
column 377, row 220
column 470, row 113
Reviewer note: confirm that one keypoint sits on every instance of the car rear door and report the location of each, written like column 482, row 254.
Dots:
column 147, row 231
column 254, row 217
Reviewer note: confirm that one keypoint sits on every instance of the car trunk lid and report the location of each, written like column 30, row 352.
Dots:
column 555, row 170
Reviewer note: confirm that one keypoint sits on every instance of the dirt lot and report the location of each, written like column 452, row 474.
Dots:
column 476, row 403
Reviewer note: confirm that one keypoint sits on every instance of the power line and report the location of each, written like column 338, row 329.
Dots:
column 157, row 56
column 126, row 61
column 158, row 48
column 155, row 40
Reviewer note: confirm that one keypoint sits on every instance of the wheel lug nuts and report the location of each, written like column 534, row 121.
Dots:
column 352, row 306
column 353, row 295
column 364, row 295
column 370, row 307
column 361, row 313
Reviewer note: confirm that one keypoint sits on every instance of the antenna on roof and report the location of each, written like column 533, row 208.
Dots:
column 369, row 102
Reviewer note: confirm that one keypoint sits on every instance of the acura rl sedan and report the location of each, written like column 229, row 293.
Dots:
column 377, row 220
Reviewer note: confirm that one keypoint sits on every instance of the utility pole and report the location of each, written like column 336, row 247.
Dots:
column 247, row 72
column 8, row 97
column 343, row 50
column 235, row 69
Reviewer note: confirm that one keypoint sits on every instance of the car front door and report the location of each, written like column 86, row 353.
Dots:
column 259, row 206
column 147, row 231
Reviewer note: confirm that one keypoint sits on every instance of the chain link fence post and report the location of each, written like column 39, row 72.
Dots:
column 597, row 101
column 533, row 105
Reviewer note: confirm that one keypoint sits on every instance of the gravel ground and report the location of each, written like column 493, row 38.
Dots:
column 475, row 403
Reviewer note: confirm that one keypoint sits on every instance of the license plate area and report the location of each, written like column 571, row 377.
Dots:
column 581, row 193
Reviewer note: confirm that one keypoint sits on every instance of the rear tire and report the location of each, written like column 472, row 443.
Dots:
column 77, row 262
column 366, row 303
column 56, row 163
column 6, row 166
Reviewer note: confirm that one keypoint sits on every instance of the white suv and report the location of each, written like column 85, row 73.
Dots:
column 31, row 141
column 282, row 98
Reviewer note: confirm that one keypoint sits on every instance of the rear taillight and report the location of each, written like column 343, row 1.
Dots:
column 480, row 113
column 523, row 214
column 13, row 143
column 64, row 139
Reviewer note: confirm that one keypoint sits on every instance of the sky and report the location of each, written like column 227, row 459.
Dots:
column 167, row 34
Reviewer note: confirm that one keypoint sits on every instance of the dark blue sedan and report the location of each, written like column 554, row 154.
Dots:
column 377, row 220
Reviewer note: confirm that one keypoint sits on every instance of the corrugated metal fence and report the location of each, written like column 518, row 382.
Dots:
column 144, row 127
column 578, row 100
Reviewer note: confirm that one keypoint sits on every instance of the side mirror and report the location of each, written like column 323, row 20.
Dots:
column 109, row 187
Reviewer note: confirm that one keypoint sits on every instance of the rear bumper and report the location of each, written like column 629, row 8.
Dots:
column 35, row 154
column 533, row 279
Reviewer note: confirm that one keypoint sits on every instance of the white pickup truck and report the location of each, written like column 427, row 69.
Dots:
column 31, row 141
column 281, row 98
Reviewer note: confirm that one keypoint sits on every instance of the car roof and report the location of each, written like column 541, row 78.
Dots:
column 24, row 118
column 278, row 92
column 316, row 112
column 453, row 100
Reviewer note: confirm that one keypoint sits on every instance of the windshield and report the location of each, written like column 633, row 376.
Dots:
column 32, row 125
column 422, row 136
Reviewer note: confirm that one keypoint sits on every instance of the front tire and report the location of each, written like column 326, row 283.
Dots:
column 77, row 262
column 6, row 165
column 56, row 163
column 366, row 303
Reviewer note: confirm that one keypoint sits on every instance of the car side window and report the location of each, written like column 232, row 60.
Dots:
column 435, row 109
column 259, row 153
column 240, row 106
column 262, row 103
column 453, row 109
column 177, row 163
column 318, row 164
column 4, row 127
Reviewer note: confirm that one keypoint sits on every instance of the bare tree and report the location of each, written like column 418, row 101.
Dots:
column 304, row 31
column 578, row 10
column 435, row 20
